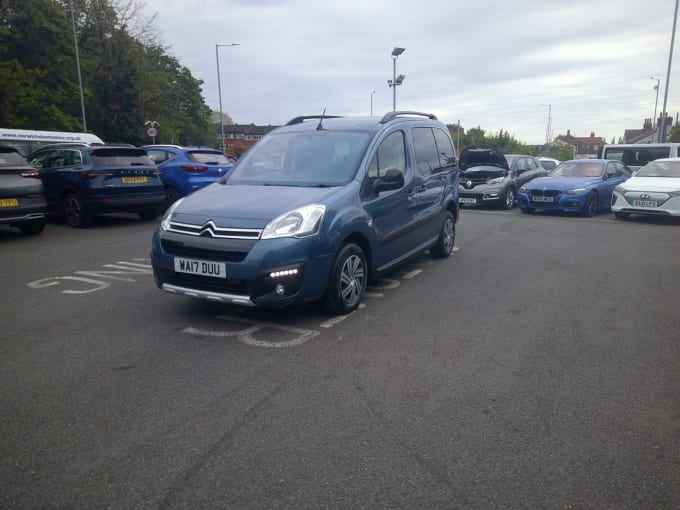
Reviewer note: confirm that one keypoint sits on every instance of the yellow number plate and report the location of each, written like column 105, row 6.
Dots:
column 134, row 180
column 9, row 202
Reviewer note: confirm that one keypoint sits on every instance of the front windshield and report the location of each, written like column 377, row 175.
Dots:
column 660, row 169
column 318, row 158
column 577, row 169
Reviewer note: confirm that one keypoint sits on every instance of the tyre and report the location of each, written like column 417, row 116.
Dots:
column 508, row 200
column 148, row 214
column 172, row 195
column 75, row 211
column 33, row 227
column 447, row 237
column 591, row 205
column 348, row 281
column 621, row 215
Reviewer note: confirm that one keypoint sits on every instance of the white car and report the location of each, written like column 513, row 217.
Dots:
column 548, row 163
column 653, row 190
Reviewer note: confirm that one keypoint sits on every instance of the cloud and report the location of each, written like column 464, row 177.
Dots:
column 487, row 63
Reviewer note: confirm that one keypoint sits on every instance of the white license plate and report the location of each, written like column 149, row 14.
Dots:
column 645, row 203
column 463, row 200
column 542, row 199
column 201, row 267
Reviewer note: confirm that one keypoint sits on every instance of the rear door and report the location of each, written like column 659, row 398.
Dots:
column 119, row 171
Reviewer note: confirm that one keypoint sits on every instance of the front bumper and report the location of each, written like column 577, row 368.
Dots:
column 650, row 204
column 273, row 272
column 560, row 202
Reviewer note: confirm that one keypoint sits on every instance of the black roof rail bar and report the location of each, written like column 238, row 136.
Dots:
column 393, row 115
column 302, row 118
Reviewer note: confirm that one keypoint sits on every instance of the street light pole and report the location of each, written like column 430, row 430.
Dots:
column 395, row 53
column 80, row 79
column 219, row 88
column 656, row 103
column 548, row 128
column 668, row 76
column 372, row 102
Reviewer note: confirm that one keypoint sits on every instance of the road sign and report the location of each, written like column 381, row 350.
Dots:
column 152, row 131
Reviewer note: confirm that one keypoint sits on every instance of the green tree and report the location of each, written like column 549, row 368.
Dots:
column 675, row 134
column 38, row 77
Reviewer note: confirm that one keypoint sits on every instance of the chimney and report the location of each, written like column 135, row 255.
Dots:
column 647, row 126
column 568, row 132
column 592, row 134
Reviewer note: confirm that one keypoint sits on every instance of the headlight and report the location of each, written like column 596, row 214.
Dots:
column 300, row 222
column 523, row 190
column 498, row 180
column 576, row 191
column 620, row 189
column 165, row 223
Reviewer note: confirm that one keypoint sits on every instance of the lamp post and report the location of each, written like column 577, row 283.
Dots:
column 395, row 80
column 80, row 79
column 548, row 128
column 219, row 88
column 668, row 77
column 372, row 102
column 656, row 87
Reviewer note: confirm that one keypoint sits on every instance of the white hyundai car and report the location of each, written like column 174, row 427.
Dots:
column 653, row 190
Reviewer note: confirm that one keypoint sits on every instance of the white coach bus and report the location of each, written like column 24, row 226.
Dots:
column 28, row 141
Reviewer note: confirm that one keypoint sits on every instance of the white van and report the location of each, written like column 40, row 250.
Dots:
column 637, row 155
column 27, row 141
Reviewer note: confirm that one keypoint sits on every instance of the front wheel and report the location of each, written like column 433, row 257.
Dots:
column 508, row 200
column 75, row 212
column 447, row 237
column 591, row 205
column 348, row 281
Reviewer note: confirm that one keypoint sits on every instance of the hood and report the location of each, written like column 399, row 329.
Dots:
column 653, row 184
column 479, row 156
column 246, row 206
column 561, row 183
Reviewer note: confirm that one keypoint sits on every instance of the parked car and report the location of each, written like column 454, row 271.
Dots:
column 186, row 169
column 581, row 186
column 487, row 177
column 313, row 211
column 22, row 199
column 653, row 190
column 548, row 163
column 83, row 180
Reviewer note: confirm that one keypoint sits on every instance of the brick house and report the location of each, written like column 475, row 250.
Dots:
column 585, row 147
column 238, row 138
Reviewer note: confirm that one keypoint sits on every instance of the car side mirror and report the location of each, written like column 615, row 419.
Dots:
column 393, row 179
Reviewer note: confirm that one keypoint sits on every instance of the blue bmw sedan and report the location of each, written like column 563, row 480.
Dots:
column 582, row 186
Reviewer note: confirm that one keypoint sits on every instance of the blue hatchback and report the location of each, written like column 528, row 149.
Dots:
column 313, row 211
column 186, row 169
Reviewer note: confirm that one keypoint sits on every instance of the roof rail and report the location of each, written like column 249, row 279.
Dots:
column 302, row 118
column 393, row 115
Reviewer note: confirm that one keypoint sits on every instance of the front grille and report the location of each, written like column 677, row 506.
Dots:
column 544, row 192
column 207, row 283
column 209, row 229
column 179, row 249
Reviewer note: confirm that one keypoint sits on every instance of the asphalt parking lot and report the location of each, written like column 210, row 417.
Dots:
column 535, row 368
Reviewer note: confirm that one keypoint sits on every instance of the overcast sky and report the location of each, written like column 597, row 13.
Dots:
column 486, row 63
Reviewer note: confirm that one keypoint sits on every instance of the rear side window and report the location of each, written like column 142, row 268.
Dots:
column 636, row 156
column 447, row 154
column 120, row 157
column 427, row 159
column 208, row 157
